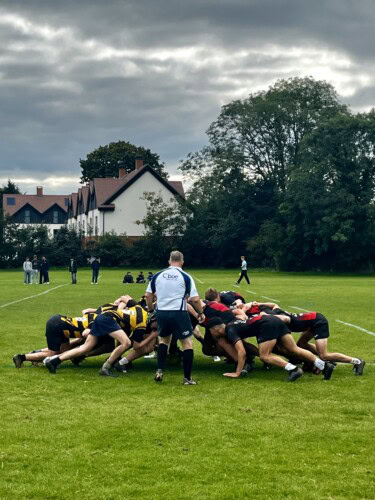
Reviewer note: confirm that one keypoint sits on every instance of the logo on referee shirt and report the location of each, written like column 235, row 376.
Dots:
column 168, row 276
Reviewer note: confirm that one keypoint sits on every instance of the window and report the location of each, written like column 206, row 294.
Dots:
column 55, row 217
column 27, row 217
column 84, row 227
column 11, row 201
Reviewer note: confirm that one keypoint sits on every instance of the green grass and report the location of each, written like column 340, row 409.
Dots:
column 77, row 435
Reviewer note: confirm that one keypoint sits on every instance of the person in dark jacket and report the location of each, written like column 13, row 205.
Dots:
column 95, row 266
column 73, row 270
column 44, row 275
column 128, row 278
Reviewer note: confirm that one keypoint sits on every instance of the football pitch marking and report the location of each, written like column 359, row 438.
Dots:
column 251, row 292
column 299, row 308
column 269, row 298
column 201, row 282
column 355, row 326
column 32, row 296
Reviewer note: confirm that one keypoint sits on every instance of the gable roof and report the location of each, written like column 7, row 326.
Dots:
column 175, row 187
column 40, row 203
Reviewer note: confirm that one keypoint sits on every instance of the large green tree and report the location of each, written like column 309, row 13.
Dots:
column 261, row 135
column 105, row 161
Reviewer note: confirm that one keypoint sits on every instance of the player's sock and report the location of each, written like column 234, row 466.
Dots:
column 355, row 361
column 162, row 355
column 107, row 365
column 187, row 360
column 23, row 357
column 289, row 367
column 319, row 364
column 123, row 361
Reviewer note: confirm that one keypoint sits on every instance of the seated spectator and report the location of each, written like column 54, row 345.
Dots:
column 149, row 276
column 128, row 278
column 140, row 278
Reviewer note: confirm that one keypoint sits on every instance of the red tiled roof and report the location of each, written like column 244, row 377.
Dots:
column 178, row 187
column 40, row 203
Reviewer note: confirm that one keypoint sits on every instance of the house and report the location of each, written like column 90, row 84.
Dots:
column 115, row 204
column 39, row 208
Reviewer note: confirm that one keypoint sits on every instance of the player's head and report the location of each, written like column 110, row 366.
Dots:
column 211, row 294
column 216, row 327
column 242, row 257
column 176, row 257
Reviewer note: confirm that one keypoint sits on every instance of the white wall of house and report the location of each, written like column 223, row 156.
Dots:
column 50, row 227
column 130, row 207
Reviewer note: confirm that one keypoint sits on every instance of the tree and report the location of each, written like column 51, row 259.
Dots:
column 261, row 135
column 105, row 161
column 328, row 208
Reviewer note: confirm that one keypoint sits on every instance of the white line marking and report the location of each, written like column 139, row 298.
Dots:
column 33, row 296
column 299, row 308
column 251, row 292
column 238, row 286
column 357, row 327
column 269, row 298
column 198, row 280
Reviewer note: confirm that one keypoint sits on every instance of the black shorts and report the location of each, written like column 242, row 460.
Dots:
column 138, row 335
column 270, row 328
column 104, row 325
column 176, row 323
column 316, row 322
column 55, row 333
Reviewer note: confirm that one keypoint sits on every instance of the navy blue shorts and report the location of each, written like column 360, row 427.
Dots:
column 104, row 325
column 175, row 323
column 55, row 333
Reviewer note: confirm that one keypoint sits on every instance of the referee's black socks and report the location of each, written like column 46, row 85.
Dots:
column 162, row 355
column 187, row 359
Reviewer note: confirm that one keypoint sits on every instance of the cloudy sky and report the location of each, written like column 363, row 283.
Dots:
column 77, row 74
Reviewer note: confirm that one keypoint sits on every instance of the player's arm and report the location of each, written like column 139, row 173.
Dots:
column 241, row 357
column 197, row 304
column 240, row 314
column 150, row 298
column 148, row 339
column 88, row 310
column 86, row 333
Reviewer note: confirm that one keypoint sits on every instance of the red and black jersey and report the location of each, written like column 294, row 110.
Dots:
column 264, row 328
column 227, row 297
column 258, row 308
column 216, row 309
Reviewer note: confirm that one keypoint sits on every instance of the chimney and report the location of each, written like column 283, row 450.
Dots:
column 138, row 162
column 39, row 190
column 121, row 173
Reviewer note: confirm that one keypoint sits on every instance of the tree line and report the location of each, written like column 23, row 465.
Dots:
column 286, row 178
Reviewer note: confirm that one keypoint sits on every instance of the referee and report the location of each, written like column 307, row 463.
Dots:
column 172, row 287
column 243, row 271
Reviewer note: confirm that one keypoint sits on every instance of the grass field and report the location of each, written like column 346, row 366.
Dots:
column 78, row 435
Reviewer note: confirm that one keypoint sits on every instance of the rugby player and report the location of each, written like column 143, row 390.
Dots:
column 59, row 332
column 268, row 330
column 118, row 324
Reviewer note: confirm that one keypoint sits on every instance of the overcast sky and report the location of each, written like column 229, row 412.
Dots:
column 77, row 74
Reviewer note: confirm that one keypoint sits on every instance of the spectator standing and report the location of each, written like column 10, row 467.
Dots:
column 27, row 272
column 44, row 275
column 243, row 271
column 172, row 287
column 73, row 270
column 95, row 266
column 35, row 273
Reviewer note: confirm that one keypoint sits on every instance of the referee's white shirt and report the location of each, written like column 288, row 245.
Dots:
column 244, row 265
column 172, row 287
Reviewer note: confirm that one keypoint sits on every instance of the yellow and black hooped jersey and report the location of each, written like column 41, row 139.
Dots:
column 106, row 307
column 74, row 327
column 130, row 319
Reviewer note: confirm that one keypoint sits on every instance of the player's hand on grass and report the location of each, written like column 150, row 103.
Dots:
column 232, row 375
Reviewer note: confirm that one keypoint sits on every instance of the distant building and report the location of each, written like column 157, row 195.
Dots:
column 39, row 208
column 110, row 204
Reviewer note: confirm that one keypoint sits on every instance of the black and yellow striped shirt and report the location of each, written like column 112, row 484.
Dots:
column 74, row 327
column 130, row 319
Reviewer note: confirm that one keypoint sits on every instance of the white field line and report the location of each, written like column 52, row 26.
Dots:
column 299, row 308
column 270, row 298
column 238, row 286
column 201, row 282
column 100, row 275
column 355, row 326
column 32, row 296
column 251, row 292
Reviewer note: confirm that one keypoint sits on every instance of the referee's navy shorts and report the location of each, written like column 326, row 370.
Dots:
column 104, row 325
column 176, row 323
